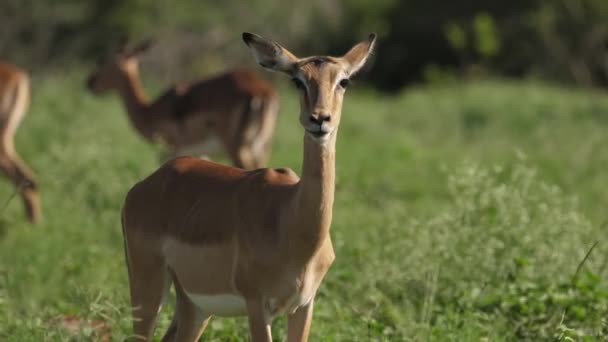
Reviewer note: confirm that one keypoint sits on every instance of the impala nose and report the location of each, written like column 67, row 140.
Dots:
column 319, row 119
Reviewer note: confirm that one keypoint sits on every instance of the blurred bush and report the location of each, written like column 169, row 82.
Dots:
column 564, row 40
column 189, row 33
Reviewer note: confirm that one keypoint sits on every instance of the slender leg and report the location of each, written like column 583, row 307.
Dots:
column 298, row 323
column 260, row 145
column 31, row 200
column 246, row 158
column 23, row 179
column 259, row 327
column 186, row 326
column 146, row 300
column 239, row 151
column 10, row 162
column 259, row 154
column 171, row 331
column 264, row 154
column 189, row 321
column 149, row 283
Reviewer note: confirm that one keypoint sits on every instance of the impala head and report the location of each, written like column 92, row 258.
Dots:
column 110, row 73
column 321, row 80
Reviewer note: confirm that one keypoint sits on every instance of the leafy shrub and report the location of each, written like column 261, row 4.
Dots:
column 507, row 249
column 547, row 310
column 501, row 214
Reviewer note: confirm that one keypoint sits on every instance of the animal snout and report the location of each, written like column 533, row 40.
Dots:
column 320, row 118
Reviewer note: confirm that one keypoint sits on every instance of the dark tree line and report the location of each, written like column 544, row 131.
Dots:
column 420, row 40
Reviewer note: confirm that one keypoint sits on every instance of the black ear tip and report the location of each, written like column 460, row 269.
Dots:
column 248, row 37
column 372, row 37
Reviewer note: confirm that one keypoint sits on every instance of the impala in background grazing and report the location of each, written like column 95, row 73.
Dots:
column 14, row 101
column 234, row 112
column 236, row 242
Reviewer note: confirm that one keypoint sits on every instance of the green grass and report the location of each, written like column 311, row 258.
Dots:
column 462, row 213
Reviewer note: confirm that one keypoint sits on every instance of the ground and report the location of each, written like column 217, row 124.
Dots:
column 463, row 212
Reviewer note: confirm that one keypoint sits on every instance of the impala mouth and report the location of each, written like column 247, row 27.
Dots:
column 317, row 134
column 319, row 131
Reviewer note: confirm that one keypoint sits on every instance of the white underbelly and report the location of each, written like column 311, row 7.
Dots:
column 209, row 147
column 227, row 305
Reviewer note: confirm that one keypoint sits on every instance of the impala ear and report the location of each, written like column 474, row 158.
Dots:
column 270, row 54
column 359, row 54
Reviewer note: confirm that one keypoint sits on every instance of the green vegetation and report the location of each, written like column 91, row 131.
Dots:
column 463, row 212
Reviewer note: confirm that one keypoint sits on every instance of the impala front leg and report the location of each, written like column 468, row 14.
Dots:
column 298, row 323
column 259, row 326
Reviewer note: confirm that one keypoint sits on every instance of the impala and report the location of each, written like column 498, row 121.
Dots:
column 236, row 242
column 14, row 100
column 235, row 111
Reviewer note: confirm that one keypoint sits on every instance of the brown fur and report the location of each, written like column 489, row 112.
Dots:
column 14, row 101
column 238, row 108
column 260, row 235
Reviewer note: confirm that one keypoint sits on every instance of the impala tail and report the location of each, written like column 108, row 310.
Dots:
column 260, row 118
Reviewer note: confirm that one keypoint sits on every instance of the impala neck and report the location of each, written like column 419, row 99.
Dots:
column 135, row 101
column 314, row 196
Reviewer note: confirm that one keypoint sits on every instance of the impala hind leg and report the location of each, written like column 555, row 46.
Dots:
column 261, row 144
column 261, row 153
column 149, row 283
column 10, row 162
column 24, row 181
column 244, row 158
column 238, row 149
column 189, row 321
column 251, row 154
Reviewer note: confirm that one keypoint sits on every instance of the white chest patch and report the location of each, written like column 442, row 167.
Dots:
column 226, row 305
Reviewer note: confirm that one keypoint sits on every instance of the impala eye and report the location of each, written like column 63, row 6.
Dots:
column 344, row 83
column 298, row 83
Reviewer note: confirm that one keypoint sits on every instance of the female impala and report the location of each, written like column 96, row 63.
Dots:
column 237, row 109
column 236, row 242
column 14, row 100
